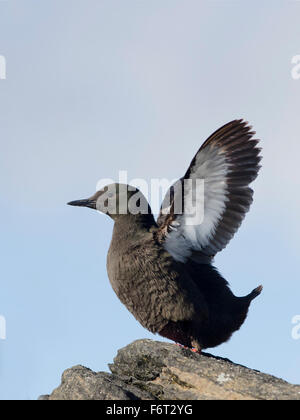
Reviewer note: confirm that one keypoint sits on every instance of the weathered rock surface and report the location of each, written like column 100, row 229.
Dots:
column 151, row 370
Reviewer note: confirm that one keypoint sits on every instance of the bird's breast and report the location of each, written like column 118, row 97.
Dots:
column 131, row 277
column 147, row 281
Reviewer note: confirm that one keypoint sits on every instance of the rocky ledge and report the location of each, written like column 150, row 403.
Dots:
column 152, row 370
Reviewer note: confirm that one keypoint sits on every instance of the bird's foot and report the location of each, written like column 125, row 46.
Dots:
column 193, row 349
column 181, row 345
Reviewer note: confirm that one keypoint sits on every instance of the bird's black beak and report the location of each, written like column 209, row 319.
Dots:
column 84, row 203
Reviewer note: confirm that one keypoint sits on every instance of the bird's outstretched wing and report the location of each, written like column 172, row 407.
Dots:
column 202, row 211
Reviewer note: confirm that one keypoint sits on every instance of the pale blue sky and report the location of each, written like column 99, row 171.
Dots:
column 96, row 86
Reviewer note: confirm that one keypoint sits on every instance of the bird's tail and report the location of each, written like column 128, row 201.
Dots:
column 255, row 292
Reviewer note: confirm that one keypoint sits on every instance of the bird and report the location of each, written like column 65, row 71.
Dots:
column 163, row 270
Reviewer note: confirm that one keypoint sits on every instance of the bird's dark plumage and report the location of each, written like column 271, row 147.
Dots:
column 163, row 271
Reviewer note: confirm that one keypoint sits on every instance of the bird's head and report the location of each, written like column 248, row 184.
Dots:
column 116, row 200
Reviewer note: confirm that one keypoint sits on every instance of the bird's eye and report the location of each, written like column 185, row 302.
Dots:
column 110, row 195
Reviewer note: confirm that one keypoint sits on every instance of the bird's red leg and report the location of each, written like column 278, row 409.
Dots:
column 193, row 349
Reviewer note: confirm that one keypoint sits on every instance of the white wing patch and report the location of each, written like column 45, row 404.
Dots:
column 226, row 163
column 196, row 231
